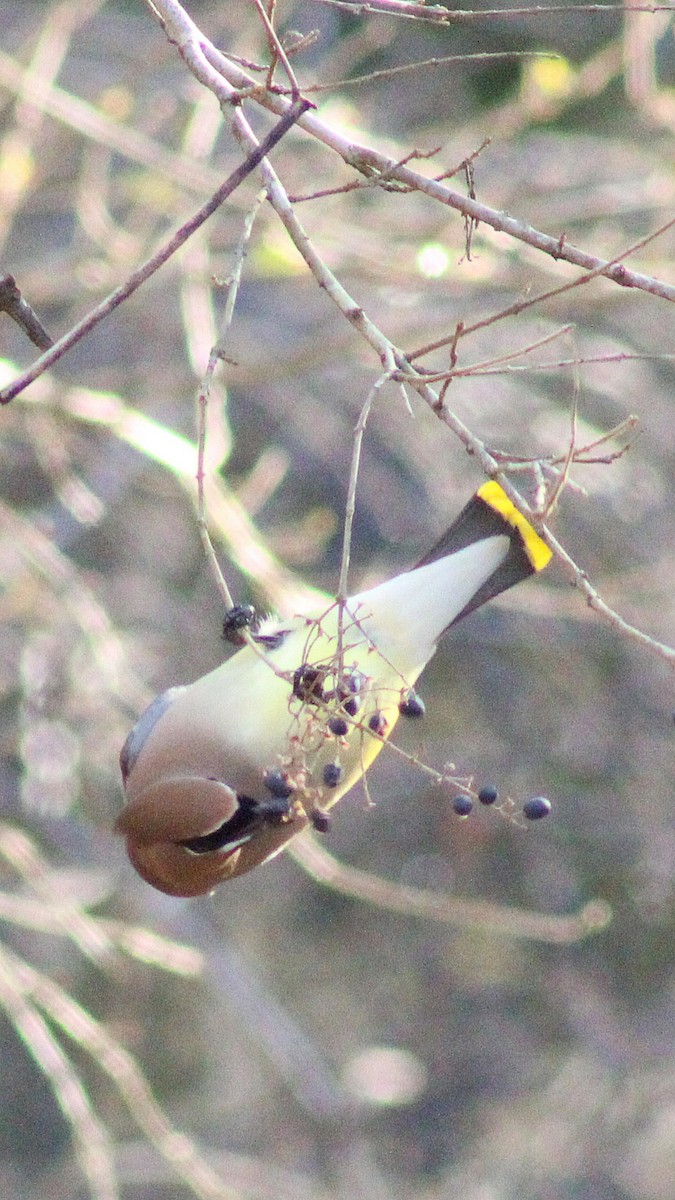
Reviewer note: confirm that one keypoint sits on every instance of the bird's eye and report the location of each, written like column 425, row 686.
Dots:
column 273, row 812
column 240, row 827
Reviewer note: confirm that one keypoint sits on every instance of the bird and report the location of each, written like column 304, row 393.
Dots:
column 220, row 774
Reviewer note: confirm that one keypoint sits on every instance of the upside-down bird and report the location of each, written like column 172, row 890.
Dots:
column 220, row 774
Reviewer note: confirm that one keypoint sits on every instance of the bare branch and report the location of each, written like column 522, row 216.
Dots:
column 175, row 1147
column 449, row 910
column 92, row 1140
column 157, row 260
column 199, row 53
column 406, row 68
column 437, row 14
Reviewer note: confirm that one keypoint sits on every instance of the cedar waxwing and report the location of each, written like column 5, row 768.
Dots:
column 220, row 774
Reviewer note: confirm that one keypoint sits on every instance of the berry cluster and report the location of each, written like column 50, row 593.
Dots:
column 533, row 810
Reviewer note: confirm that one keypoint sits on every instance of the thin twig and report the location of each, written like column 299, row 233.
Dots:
column 217, row 354
column 437, row 14
column 350, row 504
column 200, row 54
column 467, row 914
column 595, row 601
column 406, row 68
column 520, row 306
column 175, row 1147
column 13, row 303
column 585, row 360
column 157, row 260
column 90, row 1135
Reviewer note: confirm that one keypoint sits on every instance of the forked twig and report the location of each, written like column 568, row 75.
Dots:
column 215, row 72
column 278, row 51
column 520, row 306
column 175, row 1147
column 93, row 1145
column 213, row 68
column 143, row 273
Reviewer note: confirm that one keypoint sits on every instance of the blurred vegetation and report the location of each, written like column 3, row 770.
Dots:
column 520, row 1069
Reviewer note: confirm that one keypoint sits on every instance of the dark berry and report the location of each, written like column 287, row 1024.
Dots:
column 488, row 794
column 235, row 621
column 536, row 808
column 378, row 723
column 411, row 705
column 278, row 784
column 332, row 774
column 320, row 820
column 351, row 684
column 338, row 726
column 352, row 705
column 462, row 805
column 308, row 684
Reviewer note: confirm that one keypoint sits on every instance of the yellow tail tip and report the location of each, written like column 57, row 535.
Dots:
column 535, row 547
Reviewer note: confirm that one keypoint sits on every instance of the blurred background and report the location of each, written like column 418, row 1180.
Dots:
column 311, row 1044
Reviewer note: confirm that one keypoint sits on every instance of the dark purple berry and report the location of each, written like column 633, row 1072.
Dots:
column 488, row 794
column 308, row 684
column 278, row 784
column 338, row 726
column 332, row 774
column 536, row 808
column 320, row 820
column 351, row 684
column 235, row 621
column 462, row 805
column 378, row 723
column 352, row 705
column 412, row 705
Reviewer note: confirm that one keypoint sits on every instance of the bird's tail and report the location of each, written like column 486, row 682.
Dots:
column 490, row 513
